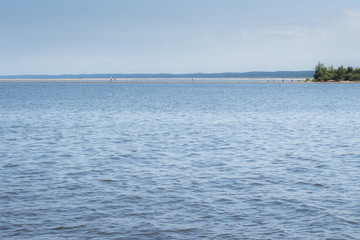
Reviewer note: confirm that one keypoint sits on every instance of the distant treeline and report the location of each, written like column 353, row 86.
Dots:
column 278, row 74
column 325, row 74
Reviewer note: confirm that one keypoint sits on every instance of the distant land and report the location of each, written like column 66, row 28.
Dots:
column 277, row 74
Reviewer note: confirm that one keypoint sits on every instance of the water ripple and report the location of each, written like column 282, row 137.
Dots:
column 179, row 161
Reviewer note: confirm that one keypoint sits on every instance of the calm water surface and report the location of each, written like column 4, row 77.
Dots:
column 179, row 161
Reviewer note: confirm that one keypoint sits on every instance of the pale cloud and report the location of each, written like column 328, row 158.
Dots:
column 287, row 33
column 294, row 32
column 352, row 19
column 321, row 32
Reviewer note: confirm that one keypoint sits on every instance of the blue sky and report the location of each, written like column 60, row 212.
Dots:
column 183, row 36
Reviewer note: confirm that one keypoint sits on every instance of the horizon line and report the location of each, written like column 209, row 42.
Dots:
column 144, row 73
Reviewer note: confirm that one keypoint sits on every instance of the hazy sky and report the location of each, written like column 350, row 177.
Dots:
column 177, row 36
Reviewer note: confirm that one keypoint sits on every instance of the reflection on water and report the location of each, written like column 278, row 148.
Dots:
column 179, row 161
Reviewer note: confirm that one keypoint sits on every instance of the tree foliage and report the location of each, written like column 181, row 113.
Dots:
column 325, row 74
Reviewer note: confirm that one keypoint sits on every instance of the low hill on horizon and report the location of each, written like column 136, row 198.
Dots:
column 254, row 74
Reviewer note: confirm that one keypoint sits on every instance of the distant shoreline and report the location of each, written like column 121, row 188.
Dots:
column 166, row 80
column 250, row 75
column 156, row 80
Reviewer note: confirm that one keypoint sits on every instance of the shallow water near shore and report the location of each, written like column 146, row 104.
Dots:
column 179, row 161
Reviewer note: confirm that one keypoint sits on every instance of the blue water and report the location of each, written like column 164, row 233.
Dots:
column 179, row 161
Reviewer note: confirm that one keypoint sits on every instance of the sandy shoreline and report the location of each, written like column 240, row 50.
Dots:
column 166, row 80
column 159, row 80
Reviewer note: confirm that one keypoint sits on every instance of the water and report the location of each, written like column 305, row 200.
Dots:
column 179, row 161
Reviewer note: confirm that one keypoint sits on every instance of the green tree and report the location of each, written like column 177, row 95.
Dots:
column 357, row 70
column 355, row 77
column 321, row 73
column 340, row 74
column 350, row 70
column 348, row 76
column 331, row 73
column 356, row 74
column 324, row 74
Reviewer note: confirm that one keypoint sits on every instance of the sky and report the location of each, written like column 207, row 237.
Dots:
column 176, row 36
